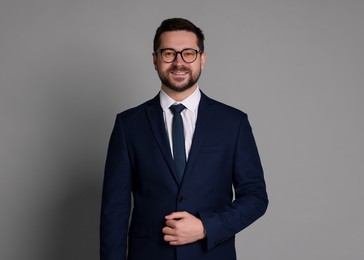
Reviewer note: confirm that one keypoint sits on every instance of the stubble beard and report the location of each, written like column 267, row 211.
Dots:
column 168, row 82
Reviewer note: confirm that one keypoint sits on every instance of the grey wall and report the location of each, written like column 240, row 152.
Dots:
column 296, row 67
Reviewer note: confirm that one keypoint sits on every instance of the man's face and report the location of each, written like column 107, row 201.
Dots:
column 178, row 76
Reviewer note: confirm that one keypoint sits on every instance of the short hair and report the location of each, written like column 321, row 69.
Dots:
column 178, row 24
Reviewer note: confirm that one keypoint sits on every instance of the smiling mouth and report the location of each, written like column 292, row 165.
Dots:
column 179, row 73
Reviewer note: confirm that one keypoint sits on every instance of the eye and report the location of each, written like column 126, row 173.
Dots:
column 168, row 53
column 189, row 53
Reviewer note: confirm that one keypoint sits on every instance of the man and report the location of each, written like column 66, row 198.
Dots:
column 183, row 205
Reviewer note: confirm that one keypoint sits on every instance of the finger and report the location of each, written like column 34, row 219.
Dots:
column 168, row 231
column 171, row 223
column 177, row 215
column 174, row 243
column 169, row 238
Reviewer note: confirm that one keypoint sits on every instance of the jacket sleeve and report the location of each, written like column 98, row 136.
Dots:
column 116, row 197
column 251, row 199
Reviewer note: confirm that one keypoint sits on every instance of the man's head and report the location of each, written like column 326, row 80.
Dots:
column 178, row 24
column 178, row 56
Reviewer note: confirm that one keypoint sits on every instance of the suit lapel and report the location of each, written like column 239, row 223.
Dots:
column 205, row 114
column 156, row 121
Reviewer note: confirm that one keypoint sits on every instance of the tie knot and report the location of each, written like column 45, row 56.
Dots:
column 177, row 109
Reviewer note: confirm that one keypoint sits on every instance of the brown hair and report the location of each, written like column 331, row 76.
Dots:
column 178, row 24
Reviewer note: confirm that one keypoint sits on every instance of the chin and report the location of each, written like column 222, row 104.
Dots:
column 178, row 86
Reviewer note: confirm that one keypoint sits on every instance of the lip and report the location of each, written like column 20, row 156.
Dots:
column 179, row 72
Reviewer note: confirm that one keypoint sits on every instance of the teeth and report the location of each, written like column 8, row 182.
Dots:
column 180, row 72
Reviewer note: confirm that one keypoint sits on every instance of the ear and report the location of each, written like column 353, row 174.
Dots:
column 203, row 59
column 155, row 60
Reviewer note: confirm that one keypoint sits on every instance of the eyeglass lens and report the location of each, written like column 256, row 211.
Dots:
column 188, row 55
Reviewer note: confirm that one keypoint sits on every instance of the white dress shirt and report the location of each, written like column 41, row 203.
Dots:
column 189, row 116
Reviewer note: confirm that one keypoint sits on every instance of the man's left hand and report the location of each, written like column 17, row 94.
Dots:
column 182, row 228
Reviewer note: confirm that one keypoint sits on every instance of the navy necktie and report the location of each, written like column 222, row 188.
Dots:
column 178, row 139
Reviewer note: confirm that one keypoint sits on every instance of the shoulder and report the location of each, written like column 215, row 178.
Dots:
column 222, row 109
column 138, row 111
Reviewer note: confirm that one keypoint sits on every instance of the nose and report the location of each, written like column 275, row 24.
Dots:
column 178, row 58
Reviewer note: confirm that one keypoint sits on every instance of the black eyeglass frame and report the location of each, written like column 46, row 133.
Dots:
column 178, row 52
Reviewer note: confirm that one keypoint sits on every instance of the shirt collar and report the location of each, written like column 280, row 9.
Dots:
column 191, row 102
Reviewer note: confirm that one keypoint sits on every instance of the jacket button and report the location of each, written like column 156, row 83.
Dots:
column 180, row 198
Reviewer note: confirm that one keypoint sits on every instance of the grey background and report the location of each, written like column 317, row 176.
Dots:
column 296, row 67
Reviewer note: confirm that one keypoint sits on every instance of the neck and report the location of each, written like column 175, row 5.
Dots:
column 179, row 96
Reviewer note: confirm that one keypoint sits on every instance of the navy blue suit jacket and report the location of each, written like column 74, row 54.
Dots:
column 140, row 168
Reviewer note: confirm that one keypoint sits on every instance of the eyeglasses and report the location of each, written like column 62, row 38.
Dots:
column 169, row 55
